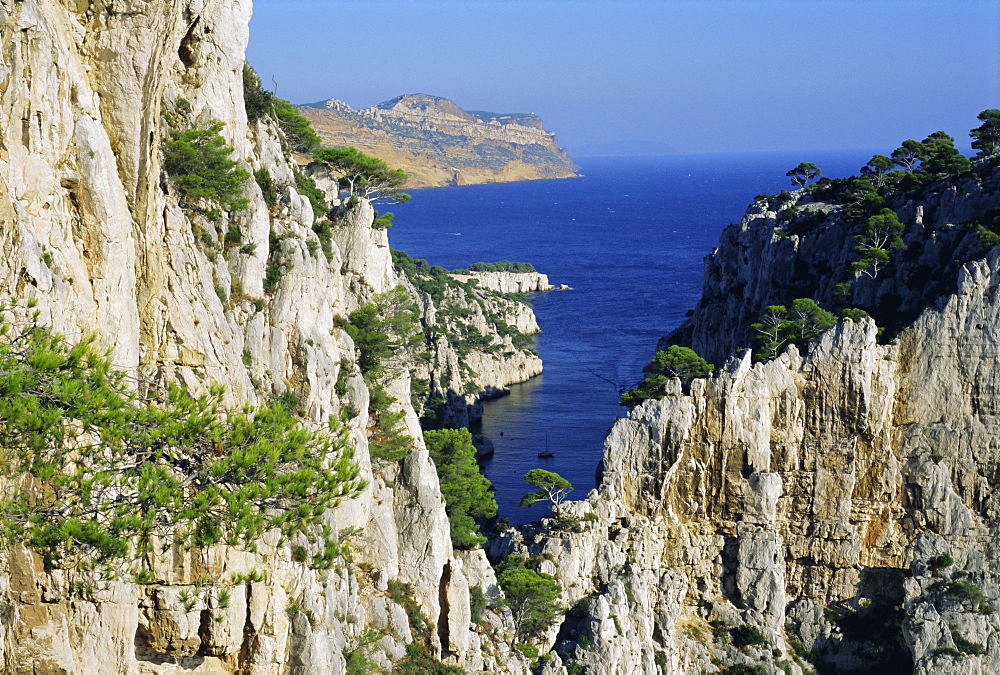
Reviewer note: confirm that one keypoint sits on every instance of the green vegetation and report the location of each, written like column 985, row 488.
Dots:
column 197, row 161
column 918, row 163
column 383, row 328
column 317, row 198
column 533, row 597
column 882, row 233
column 868, row 220
column 387, row 437
column 968, row 593
column 501, row 266
column 748, row 636
column 267, row 187
column 427, row 278
column 383, row 221
column 530, row 651
column 100, row 471
column 460, row 306
column 876, row 170
column 356, row 653
column 367, row 176
column 297, row 129
column 941, row 562
column 363, row 175
column 941, row 158
column 966, row 646
column 799, row 324
column 552, row 488
column 667, row 364
column 908, row 154
column 324, row 232
column 256, row 99
column 477, row 604
column 744, row 669
column 853, row 314
column 467, row 493
column 803, row 173
column 986, row 137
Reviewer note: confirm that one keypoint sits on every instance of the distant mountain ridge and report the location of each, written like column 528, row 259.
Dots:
column 439, row 143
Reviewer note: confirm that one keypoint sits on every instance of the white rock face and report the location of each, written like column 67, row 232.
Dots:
column 93, row 230
column 773, row 492
column 509, row 282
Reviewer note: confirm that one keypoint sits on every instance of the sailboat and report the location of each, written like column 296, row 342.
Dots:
column 546, row 454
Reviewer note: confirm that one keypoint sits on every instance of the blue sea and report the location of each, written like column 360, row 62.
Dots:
column 629, row 237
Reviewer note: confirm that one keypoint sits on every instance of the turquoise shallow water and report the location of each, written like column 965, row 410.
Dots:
column 629, row 238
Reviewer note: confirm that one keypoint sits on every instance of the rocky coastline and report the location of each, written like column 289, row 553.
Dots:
column 833, row 508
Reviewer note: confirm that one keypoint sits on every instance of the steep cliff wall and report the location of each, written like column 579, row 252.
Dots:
column 476, row 340
column 509, row 282
column 839, row 499
column 779, row 252
column 438, row 143
column 98, row 234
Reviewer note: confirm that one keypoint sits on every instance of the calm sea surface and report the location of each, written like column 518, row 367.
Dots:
column 629, row 238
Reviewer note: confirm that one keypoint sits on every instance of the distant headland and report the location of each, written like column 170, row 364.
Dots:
column 438, row 143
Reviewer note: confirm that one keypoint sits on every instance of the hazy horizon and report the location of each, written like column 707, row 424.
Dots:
column 696, row 76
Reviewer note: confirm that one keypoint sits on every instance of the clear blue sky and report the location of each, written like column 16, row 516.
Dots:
column 699, row 75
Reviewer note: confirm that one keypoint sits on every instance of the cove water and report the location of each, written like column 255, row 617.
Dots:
column 629, row 238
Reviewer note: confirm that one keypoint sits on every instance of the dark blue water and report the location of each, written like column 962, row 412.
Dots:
column 629, row 238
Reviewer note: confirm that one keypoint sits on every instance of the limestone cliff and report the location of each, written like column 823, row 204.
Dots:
column 98, row 234
column 476, row 339
column 438, row 143
column 509, row 282
column 833, row 507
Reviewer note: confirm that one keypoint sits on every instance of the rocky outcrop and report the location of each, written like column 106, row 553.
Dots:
column 779, row 252
column 838, row 500
column 477, row 345
column 95, row 232
column 437, row 143
column 509, row 282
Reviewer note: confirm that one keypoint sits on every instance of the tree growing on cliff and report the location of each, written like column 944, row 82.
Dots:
column 297, row 128
column 465, row 489
column 95, row 473
column 532, row 596
column 986, row 137
column 908, row 154
column 552, row 488
column 257, row 101
column 877, row 169
column 388, row 327
column 198, row 163
column 941, row 157
column 364, row 176
column 803, row 173
column 385, row 327
column 800, row 323
column 772, row 332
column 882, row 233
column 667, row 364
